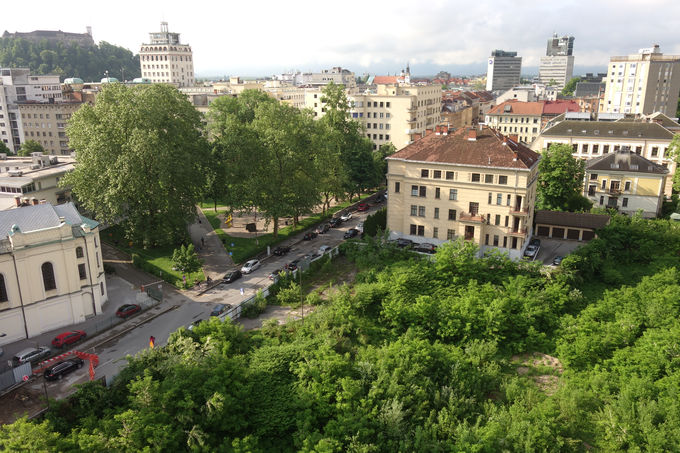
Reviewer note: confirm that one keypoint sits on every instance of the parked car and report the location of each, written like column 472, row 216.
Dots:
column 558, row 260
column 425, row 248
column 351, row 233
column 232, row 276
column 535, row 241
column 360, row 227
column 1, row 352
column 59, row 369
column 219, row 309
column 194, row 324
column 380, row 198
column 64, row 339
column 322, row 228
column 325, row 249
column 404, row 243
column 363, row 207
column 531, row 251
column 293, row 265
column 309, row 236
column 281, row 250
column 30, row 355
column 250, row 266
column 313, row 256
column 346, row 216
column 335, row 222
column 128, row 310
column 276, row 274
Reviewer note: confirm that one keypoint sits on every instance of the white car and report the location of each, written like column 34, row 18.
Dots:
column 250, row 266
column 360, row 227
column 346, row 216
column 325, row 249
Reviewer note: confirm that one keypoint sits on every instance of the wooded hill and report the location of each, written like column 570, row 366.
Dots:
column 454, row 354
column 88, row 63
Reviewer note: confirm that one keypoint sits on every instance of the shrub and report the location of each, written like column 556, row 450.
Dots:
column 255, row 307
column 109, row 269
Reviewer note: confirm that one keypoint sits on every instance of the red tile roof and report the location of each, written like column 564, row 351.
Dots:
column 519, row 108
column 487, row 150
column 385, row 79
column 559, row 107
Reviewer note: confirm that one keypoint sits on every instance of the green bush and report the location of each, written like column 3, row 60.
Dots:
column 255, row 307
column 290, row 296
column 109, row 269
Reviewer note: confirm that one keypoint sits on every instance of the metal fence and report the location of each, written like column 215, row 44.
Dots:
column 114, row 320
column 235, row 312
column 14, row 376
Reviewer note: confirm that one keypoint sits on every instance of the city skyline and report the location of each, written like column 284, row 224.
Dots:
column 373, row 38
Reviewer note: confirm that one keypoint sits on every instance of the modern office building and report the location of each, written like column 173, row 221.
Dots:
column 46, row 124
column 642, row 83
column 557, row 67
column 166, row 60
column 503, row 71
column 18, row 86
column 473, row 183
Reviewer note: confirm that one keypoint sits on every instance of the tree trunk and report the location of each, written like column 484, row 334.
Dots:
column 296, row 219
column 275, row 234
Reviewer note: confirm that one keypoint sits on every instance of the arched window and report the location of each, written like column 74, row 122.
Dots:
column 48, row 277
column 3, row 289
column 79, row 252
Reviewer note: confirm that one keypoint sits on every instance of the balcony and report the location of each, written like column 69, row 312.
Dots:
column 411, row 131
column 517, row 231
column 470, row 217
column 408, row 142
column 614, row 190
column 469, row 237
column 518, row 210
column 412, row 109
column 411, row 120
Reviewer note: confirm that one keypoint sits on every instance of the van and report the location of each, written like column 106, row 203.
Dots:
column 30, row 355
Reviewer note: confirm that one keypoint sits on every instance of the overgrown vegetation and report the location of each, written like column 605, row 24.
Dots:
column 451, row 354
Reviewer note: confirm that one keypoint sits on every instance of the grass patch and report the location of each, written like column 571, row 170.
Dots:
column 159, row 259
column 246, row 248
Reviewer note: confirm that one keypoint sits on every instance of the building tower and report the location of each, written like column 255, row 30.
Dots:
column 642, row 83
column 558, row 64
column 504, row 71
column 166, row 60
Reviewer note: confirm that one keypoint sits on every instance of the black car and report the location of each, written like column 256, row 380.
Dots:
column 351, row 233
column 335, row 222
column 232, row 276
column 380, row 198
column 219, row 309
column 309, row 236
column 58, row 370
column 293, row 265
column 323, row 228
column 281, row 250
column 403, row 243
column 425, row 248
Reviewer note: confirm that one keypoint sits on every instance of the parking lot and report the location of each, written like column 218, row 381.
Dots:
column 550, row 248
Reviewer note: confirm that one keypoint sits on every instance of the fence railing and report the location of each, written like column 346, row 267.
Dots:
column 14, row 376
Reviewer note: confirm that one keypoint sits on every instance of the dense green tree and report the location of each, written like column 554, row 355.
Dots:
column 69, row 60
column 674, row 153
column 186, row 259
column 560, row 177
column 570, row 87
column 4, row 149
column 380, row 155
column 141, row 160
column 30, row 146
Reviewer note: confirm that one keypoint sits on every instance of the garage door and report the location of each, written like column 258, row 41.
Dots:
column 543, row 231
column 558, row 233
column 573, row 234
column 588, row 235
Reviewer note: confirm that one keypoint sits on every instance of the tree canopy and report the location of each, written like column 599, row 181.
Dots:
column 30, row 146
column 560, row 178
column 87, row 63
column 674, row 153
column 141, row 160
column 4, row 148
column 570, row 87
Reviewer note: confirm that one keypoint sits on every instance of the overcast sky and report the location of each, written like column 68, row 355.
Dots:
column 261, row 38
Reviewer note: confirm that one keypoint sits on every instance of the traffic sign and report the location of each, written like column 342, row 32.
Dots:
column 25, row 378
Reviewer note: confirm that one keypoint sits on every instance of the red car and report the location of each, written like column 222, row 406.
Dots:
column 128, row 310
column 64, row 339
column 363, row 207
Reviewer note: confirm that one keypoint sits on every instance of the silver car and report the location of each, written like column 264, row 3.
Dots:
column 250, row 266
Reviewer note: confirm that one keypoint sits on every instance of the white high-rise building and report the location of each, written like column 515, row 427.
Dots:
column 558, row 64
column 166, row 60
column 642, row 83
column 504, row 71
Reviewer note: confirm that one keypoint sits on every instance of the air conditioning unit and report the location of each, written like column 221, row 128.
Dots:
column 15, row 173
column 3, row 156
column 34, row 167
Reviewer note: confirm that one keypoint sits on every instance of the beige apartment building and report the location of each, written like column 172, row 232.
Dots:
column 473, row 183
column 627, row 182
column 590, row 139
column 517, row 118
column 46, row 124
column 51, row 270
column 166, row 60
column 642, row 83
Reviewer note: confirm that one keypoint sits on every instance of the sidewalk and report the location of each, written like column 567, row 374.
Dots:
column 216, row 260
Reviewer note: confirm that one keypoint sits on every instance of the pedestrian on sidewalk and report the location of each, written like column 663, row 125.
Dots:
column 203, row 242
column 152, row 341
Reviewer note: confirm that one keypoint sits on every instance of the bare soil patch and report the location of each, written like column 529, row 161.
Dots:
column 547, row 383
column 20, row 402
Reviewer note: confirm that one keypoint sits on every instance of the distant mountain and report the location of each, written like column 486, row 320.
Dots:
column 87, row 63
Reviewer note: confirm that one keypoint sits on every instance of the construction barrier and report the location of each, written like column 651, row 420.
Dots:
column 92, row 358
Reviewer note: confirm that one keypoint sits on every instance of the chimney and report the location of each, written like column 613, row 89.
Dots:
column 428, row 131
column 472, row 134
column 505, row 140
column 438, row 130
column 43, row 201
column 34, row 200
column 514, row 138
column 17, row 201
column 445, row 130
column 514, row 156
